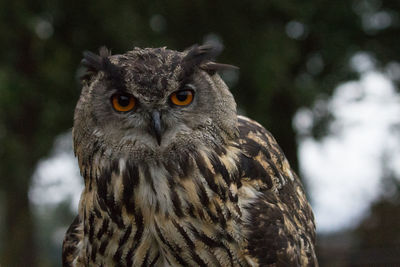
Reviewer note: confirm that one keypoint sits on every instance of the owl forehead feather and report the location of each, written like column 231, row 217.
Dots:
column 151, row 66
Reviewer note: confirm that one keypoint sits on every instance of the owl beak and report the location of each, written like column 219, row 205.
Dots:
column 156, row 125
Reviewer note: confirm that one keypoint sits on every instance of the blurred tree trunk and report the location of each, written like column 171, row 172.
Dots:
column 21, row 151
column 19, row 247
column 282, row 110
column 16, row 172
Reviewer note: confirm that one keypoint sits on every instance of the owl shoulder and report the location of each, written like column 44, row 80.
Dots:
column 280, row 224
column 261, row 157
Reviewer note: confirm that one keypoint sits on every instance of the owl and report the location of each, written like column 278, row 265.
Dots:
column 173, row 175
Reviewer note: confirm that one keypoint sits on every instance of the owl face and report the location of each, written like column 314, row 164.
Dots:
column 154, row 102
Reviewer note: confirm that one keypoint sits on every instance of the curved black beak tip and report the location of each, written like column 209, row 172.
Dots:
column 156, row 125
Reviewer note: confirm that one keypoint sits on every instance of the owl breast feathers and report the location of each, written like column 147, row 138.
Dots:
column 173, row 176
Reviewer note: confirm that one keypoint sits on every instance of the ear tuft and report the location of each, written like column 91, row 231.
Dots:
column 213, row 67
column 202, row 57
column 197, row 55
column 95, row 63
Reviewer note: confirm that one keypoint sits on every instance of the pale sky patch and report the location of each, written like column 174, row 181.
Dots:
column 344, row 170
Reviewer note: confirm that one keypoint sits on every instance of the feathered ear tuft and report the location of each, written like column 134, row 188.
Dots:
column 213, row 67
column 197, row 55
column 202, row 56
column 95, row 63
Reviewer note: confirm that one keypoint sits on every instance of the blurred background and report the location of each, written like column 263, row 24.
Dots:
column 323, row 76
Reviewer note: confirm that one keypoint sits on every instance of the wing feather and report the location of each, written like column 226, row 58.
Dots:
column 280, row 227
column 71, row 242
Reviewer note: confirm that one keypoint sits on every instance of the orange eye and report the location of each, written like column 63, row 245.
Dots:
column 123, row 102
column 182, row 98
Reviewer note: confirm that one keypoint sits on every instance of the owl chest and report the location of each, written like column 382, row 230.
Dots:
column 181, row 228
column 167, row 223
column 164, row 242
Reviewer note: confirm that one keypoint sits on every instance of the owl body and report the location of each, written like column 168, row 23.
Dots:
column 173, row 182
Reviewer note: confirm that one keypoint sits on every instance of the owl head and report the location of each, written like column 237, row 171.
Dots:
column 153, row 103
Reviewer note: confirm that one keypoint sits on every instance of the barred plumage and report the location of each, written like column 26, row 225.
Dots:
column 216, row 191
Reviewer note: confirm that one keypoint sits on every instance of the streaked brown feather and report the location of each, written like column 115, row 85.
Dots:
column 277, row 220
column 280, row 227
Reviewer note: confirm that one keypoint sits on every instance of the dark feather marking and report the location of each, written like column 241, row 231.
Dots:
column 168, row 261
column 175, row 252
column 91, row 227
column 114, row 211
column 85, row 174
column 212, row 216
column 185, row 163
column 129, row 257
column 200, row 214
column 87, row 256
column 190, row 210
column 221, row 217
column 146, row 258
column 102, row 203
column 233, row 198
column 211, row 243
column 219, row 149
column 206, row 173
column 95, row 147
column 154, row 261
column 171, row 181
column 106, row 200
column 203, row 196
column 251, row 147
column 177, row 203
column 122, row 241
column 190, row 244
column 223, row 192
column 117, row 256
column 102, row 183
column 85, row 228
column 93, row 253
column 274, row 168
column 103, row 229
column 130, row 180
column 103, row 247
column 128, row 232
column 90, row 175
column 139, row 229
column 97, row 212
column 253, row 170
column 206, row 202
column 173, row 169
column 219, row 167
column 148, row 177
